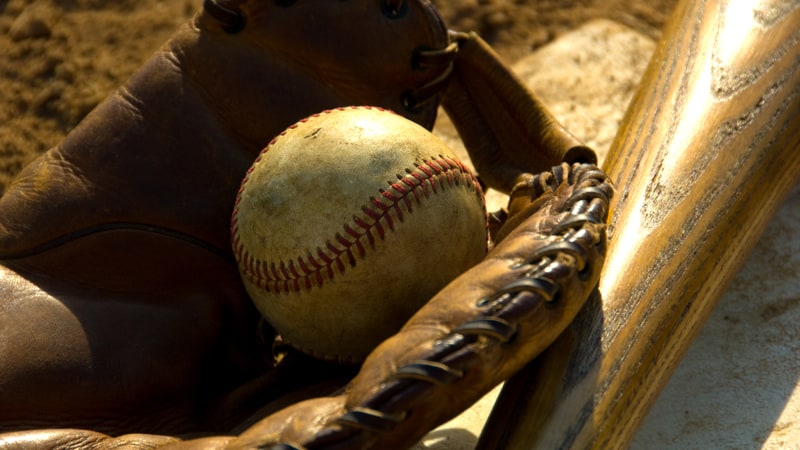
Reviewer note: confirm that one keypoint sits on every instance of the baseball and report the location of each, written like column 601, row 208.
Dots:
column 348, row 222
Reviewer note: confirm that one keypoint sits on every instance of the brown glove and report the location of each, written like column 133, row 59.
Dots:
column 115, row 246
column 122, row 307
column 474, row 334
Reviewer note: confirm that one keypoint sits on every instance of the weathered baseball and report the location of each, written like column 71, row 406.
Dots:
column 348, row 222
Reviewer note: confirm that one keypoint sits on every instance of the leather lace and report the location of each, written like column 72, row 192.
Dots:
column 502, row 315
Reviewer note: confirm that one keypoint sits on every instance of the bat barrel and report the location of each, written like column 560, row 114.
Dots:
column 705, row 155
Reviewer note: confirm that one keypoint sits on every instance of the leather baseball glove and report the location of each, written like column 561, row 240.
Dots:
column 123, row 311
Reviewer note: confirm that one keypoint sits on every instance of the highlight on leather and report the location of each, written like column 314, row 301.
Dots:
column 506, row 128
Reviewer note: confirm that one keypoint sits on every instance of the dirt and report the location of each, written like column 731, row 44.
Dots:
column 59, row 58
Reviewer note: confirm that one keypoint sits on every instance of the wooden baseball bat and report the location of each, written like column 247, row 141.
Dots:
column 704, row 157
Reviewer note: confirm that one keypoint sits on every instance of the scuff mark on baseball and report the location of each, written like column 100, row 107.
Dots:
column 348, row 222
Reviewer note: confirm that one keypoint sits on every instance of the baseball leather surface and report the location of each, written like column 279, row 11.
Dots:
column 348, row 222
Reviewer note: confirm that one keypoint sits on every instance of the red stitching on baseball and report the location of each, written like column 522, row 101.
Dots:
column 340, row 252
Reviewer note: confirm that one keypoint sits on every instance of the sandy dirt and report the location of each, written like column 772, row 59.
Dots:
column 60, row 58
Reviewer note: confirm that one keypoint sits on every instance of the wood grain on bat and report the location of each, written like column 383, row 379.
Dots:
column 705, row 155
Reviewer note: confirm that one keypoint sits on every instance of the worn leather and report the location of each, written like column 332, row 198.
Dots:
column 121, row 308
column 507, row 130
column 439, row 363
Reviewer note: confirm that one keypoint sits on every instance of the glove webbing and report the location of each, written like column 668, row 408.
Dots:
column 504, row 313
